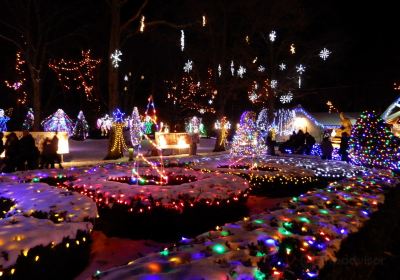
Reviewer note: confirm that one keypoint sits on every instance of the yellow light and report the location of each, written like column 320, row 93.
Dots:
column 36, row 258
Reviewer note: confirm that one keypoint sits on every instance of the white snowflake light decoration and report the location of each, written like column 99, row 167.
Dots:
column 182, row 40
column 219, row 70
column 324, row 53
column 253, row 96
column 232, row 68
column 204, row 20
column 115, row 58
column 286, row 98
column 272, row 36
column 300, row 69
column 261, row 68
column 210, row 101
column 274, row 83
column 282, row 66
column 188, row 66
column 241, row 71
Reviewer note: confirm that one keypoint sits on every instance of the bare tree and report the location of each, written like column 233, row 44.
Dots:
column 33, row 26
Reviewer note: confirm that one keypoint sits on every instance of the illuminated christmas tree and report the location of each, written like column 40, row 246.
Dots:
column 81, row 128
column 248, row 139
column 58, row 122
column 135, row 127
column 117, row 143
column 372, row 144
column 29, row 119
column 3, row 120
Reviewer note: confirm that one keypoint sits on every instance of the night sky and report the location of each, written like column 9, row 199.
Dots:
column 359, row 74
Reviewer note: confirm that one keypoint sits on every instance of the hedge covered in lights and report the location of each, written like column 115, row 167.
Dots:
column 294, row 241
column 38, row 225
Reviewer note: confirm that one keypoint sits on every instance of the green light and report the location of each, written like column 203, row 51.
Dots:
column 324, row 211
column 295, row 199
column 219, row 249
column 164, row 253
column 60, row 176
column 258, row 275
column 224, row 233
column 304, row 220
column 284, row 231
column 35, row 180
column 260, row 254
column 338, row 206
column 258, row 221
column 287, row 224
column 97, row 273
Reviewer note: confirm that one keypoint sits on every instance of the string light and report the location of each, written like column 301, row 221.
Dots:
column 219, row 70
column 292, row 49
column 204, row 20
column 142, row 24
column 257, row 94
column 241, row 71
column 324, row 54
column 193, row 96
column 19, row 85
column 188, row 66
column 272, row 36
column 261, row 68
column 232, row 68
column 76, row 74
column 331, row 107
column 282, row 66
column 182, row 40
column 118, row 144
column 135, row 127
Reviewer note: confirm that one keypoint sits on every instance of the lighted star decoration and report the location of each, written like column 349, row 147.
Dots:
column 188, row 66
column 272, row 36
column 324, row 53
column 232, row 68
column 115, row 58
column 300, row 69
column 241, row 71
column 182, row 40
column 282, row 66
column 286, row 98
column 274, row 83
column 292, row 49
column 219, row 70
column 261, row 68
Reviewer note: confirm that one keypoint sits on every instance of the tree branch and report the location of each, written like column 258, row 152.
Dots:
column 11, row 41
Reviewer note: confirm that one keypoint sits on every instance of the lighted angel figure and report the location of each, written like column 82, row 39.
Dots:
column 58, row 122
column 3, row 121
column 104, row 124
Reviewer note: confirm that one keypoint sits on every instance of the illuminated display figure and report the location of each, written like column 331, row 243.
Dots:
column 58, row 122
column 3, row 120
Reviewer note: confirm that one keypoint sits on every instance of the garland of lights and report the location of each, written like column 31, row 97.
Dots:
column 19, row 85
column 58, row 122
column 76, row 74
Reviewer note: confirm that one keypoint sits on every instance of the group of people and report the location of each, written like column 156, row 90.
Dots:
column 22, row 154
column 299, row 143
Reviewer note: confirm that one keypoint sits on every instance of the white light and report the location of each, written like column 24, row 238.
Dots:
column 202, row 111
column 253, row 97
column 324, row 53
column 126, row 78
column 255, row 59
column 182, row 143
column 274, row 83
column 272, row 35
column 142, row 25
column 219, row 70
column 286, row 98
column 210, row 101
column 115, row 58
column 232, row 68
column 204, row 20
column 241, row 71
column 300, row 69
column 188, row 66
column 292, row 49
column 182, row 40
column 261, row 68
column 282, row 66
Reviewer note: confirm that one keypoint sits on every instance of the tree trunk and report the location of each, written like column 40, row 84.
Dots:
column 113, row 95
column 35, row 76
